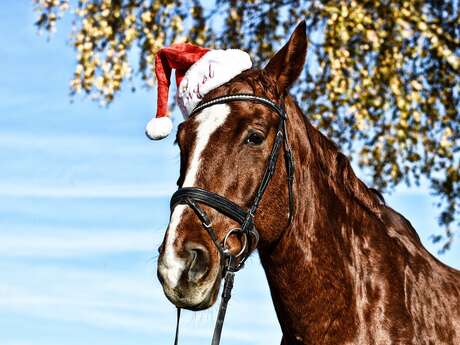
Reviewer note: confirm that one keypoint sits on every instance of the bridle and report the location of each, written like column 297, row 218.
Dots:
column 193, row 196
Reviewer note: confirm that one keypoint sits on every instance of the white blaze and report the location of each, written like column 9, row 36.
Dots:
column 209, row 120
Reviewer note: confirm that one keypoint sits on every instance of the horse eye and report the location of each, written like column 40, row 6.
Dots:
column 254, row 139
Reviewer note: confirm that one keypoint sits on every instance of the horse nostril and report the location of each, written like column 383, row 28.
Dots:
column 198, row 263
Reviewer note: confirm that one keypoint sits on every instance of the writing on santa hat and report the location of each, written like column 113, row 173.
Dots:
column 215, row 68
column 189, row 93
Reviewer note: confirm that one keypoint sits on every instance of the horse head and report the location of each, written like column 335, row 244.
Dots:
column 224, row 149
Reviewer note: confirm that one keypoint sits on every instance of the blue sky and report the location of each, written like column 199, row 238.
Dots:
column 84, row 204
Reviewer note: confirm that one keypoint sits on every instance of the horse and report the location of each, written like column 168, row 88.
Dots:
column 342, row 266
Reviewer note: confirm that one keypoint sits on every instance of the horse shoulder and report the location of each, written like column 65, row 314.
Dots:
column 431, row 288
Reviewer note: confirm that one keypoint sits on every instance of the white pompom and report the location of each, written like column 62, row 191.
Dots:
column 159, row 128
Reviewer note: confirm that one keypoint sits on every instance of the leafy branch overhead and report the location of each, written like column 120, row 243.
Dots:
column 383, row 77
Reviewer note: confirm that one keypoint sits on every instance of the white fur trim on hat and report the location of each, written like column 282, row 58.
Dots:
column 159, row 128
column 214, row 69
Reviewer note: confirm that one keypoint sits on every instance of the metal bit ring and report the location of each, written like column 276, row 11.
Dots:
column 245, row 242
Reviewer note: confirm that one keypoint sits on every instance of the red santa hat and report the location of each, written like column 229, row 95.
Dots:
column 198, row 71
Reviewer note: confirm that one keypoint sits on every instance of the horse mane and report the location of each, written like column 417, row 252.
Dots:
column 336, row 167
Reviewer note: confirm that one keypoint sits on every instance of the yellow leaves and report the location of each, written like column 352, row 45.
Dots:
column 361, row 119
column 116, row 13
column 416, row 85
column 401, row 103
column 383, row 84
column 451, row 58
column 78, row 69
column 130, row 35
column 414, row 97
column 335, row 64
column 99, row 83
column 377, row 102
column 395, row 171
column 75, row 85
column 401, row 135
column 434, row 40
column 87, row 46
column 146, row 17
column 234, row 13
column 421, row 25
column 177, row 24
column 105, row 32
column 404, row 27
column 372, row 37
column 344, row 36
column 403, row 123
column 395, row 85
column 446, row 139
column 344, row 10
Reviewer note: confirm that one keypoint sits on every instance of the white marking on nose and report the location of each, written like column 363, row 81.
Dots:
column 209, row 120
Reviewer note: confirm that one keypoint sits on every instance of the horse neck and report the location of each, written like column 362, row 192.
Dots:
column 345, row 269
column 309, row 269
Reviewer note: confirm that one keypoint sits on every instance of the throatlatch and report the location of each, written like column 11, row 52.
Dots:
column 193, row 196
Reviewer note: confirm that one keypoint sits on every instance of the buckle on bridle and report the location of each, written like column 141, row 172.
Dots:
column 243, row 247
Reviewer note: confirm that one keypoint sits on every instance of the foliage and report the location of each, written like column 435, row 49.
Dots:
column 383, row 77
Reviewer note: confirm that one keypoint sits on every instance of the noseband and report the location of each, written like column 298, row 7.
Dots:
column 192, row 196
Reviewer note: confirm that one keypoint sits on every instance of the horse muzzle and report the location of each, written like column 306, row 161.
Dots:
column 190, row 281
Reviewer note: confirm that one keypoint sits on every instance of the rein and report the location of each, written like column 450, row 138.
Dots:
column 193, row 196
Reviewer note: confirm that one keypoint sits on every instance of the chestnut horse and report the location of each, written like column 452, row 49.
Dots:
column 348, row 269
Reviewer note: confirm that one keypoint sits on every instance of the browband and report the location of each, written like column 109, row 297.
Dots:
column 240, row 97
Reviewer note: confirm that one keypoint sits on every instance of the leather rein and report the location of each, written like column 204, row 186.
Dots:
column 193, row 196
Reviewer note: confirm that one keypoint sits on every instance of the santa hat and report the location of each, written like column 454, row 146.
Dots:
column 198, row 71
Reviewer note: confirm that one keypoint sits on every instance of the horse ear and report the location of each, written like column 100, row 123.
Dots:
column 287, row 64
